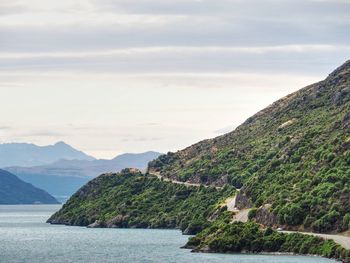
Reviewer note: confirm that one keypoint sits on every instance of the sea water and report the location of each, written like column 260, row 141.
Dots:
column 25, row 237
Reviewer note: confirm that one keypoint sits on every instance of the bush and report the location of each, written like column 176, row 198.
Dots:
column 252, row 213
column 238, row 237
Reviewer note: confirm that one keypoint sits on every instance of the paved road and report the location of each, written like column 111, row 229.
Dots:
column 173, row 181
column 239, row 215
column 231, row 204
column 180, row 182
column 342, row 240
column 242, row 215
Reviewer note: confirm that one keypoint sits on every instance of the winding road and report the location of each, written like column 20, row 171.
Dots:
column 340, row 239
column 242, row 215
column 179, row 182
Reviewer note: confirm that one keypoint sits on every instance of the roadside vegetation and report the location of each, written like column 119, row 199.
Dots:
column 131, row 199
column 226, row 237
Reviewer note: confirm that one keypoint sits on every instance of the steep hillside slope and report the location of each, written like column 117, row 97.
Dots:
column 25, row 154
column 65, row 177
column 15, row 191
column 293, row 156
column 131, row 199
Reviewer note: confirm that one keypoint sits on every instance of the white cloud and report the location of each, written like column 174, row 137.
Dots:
column 177, row 49
column 108, row 113
column 93, row 72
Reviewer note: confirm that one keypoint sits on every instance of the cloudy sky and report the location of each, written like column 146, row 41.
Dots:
column 128, row 76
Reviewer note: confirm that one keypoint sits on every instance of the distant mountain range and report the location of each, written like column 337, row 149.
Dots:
column 15, row 191
column 63, row 177
column 25, row 154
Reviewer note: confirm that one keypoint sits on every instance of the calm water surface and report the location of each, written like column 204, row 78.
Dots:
column 25, row 237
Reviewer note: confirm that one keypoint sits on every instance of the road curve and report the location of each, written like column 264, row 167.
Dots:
column 158, row 175
column 242, row 215
column 342, row 240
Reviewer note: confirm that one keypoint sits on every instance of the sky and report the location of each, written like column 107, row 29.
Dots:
column 110, row 77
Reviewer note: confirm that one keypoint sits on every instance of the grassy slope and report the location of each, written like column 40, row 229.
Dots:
column 294, row 155
column 130, row 199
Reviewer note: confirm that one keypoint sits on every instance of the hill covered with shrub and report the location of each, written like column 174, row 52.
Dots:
column 292, row 157
column 226, row 237
column 131, row 199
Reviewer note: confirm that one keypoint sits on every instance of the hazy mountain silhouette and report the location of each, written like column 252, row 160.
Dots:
column 15, row 191
column 25, row 154
column 62, row 178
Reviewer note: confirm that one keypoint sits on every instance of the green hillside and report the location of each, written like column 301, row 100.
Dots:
column 293, row 156
column 131, row 199
column 225, row 236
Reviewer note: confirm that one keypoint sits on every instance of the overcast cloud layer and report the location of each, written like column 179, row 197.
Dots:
column 128, row 76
